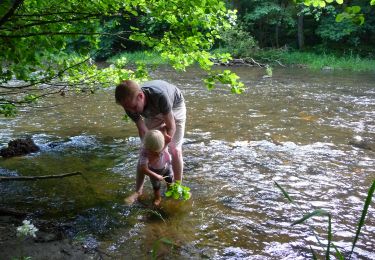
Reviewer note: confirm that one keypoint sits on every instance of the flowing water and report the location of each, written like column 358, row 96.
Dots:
column 293, row 129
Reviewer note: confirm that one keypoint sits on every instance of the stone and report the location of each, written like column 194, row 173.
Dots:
column 19, row 147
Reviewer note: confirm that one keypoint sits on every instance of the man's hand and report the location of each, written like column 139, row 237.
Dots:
column 167, row 139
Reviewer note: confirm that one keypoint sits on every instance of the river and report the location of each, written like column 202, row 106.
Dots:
column 293, row 129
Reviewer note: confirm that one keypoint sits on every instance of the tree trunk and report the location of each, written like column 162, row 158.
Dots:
column 301, row 40
column 277, row 29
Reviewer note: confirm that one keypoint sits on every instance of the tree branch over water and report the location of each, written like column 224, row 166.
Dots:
column 32, row 178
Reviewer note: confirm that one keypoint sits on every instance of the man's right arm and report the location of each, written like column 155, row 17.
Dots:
column 142, row 129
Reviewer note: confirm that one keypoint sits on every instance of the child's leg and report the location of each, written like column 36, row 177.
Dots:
column 140, row 178
column 157, row 197
column 132, row 198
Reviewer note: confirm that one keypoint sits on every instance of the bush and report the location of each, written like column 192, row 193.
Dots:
column 238, row 42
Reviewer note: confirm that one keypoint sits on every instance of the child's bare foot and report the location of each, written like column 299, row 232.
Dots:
column 157, row 198
column 157, row 202
column 132, row 198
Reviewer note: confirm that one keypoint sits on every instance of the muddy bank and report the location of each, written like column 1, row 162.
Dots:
column 49, row 243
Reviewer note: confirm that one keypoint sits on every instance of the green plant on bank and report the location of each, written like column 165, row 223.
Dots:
column 316, row 61
column 321, row 212
column 269, row 71
column 177, row 191
column 25, row 230
column 238, row 42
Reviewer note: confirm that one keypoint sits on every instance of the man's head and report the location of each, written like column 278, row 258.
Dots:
column 129, row 95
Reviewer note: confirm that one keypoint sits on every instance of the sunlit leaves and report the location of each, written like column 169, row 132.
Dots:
column 225, row 77
column 30, row 98
column 177, row 191
column 352, row 13
column 50, row 42
column 8, row 110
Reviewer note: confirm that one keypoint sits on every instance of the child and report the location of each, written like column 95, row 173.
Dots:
column 154, row 161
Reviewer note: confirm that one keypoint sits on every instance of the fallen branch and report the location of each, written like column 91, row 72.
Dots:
column 282, row 65
column 31, row 178
column 12, row 212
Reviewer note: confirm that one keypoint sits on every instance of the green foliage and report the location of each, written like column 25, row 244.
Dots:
column 132, row 58
column 225, row 77
column 269, row 71
column 53, row 42
column 8, row 110
column 321, row 212
column 320, row 60
column 286, row 195
column 177, row 191
column 238, row 42
column 126, row 118
column 30, row 98
column 361, row 221
column 329, row 30
column 352, row 13
column 265, row 19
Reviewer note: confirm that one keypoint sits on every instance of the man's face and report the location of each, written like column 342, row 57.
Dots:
column 135, row 104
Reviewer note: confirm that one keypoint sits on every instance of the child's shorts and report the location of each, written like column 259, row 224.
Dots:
column 167, row 173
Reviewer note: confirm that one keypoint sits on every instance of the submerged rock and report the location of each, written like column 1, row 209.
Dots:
column 19, row 147
column 359, row 142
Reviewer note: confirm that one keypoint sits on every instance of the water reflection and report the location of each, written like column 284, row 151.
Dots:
column 293, row 129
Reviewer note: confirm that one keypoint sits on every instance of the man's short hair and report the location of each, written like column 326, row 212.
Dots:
column 126, row 89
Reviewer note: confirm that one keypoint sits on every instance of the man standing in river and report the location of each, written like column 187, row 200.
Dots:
column 154, row 105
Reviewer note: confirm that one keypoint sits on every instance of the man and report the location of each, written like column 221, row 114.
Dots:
column 155, row 105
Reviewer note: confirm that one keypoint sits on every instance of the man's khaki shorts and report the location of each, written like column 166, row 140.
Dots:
column 179, row 114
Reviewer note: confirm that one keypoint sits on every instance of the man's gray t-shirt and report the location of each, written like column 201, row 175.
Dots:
column 161, row 98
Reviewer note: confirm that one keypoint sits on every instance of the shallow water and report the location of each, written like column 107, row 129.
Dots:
column 293, row 128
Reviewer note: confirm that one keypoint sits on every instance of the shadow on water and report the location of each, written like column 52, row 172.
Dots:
column 294, row 128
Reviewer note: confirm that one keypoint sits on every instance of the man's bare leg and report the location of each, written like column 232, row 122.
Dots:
column 177, row 163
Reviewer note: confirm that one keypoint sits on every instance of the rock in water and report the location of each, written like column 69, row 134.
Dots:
column 19, row 147
column 359, row 142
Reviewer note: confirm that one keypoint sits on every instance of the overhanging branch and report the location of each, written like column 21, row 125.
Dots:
column 10, row 13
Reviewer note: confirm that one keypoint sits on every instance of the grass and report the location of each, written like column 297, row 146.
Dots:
column 147, row 58
column 318, row 61
column 320, row 212
column 308, row 59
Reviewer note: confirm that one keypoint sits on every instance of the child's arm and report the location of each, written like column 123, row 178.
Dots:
column 145, row 170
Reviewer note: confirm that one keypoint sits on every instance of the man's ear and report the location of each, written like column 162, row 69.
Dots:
column 141, row 96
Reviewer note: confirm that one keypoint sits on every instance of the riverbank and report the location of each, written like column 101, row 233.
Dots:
column 50, row 242
column 274, row 58
column 315, row 61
